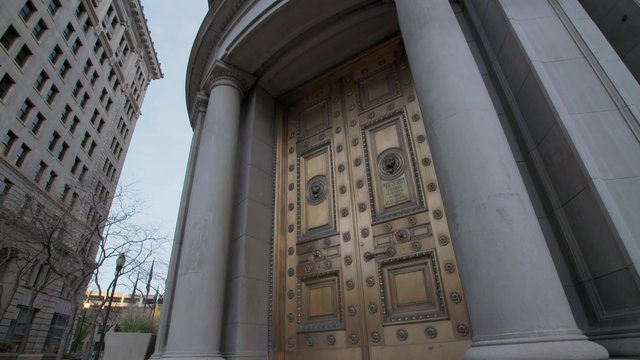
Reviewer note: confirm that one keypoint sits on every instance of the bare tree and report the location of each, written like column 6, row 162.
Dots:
column 73, row 242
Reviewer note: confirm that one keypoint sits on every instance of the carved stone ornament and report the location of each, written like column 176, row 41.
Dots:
column 291, row 272
column 402, row 236
column 351, row 310
column 344, row 212
column 437, row 214
column 339, row 148
column 364, row 232
column 348, row 260
column 403, row 334
column 456, row 297
column 341, row 168
column 411, row 220
column 416, row 245
column 362, row 207
column 290, row 228
column 343, row 189
column 291, row 342
column 462, row 329
column 443, row 240
column 432, row 187
column 310, row 341
column 449, row 267
column 354, row 338
column 371, row 281
column 373, row 308
column 388, row 227
column 291, row 168
column 350, row 284
column 291, row 318
column 290, row 251
column 415, row 117
column 317, row 190
column 431, row 332
column 291, row 186
column 327, row 264
column 357, row 162
column 355, row 142
column 308, row 268
column 346, row 237
column 426, row 161
column 221, row 72
column 291, row 206
column 291, row 294
column 360, row 184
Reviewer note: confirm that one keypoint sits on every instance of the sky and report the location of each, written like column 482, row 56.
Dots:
column 157, row 158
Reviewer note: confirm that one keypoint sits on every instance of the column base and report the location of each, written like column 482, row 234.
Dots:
column 166, row 356
column 536, row 349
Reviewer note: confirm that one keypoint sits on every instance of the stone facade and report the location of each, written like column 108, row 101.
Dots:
column 74, row 76
column 531, row 113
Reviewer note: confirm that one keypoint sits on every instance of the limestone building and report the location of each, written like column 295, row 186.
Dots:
column 410, row 179
column 73, row 75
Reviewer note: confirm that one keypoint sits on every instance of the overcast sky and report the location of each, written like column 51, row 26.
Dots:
column 157, row 157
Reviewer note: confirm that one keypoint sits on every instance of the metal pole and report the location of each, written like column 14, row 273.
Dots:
column 106, row 318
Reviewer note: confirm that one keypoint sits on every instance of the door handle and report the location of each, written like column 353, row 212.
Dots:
column 388, row 252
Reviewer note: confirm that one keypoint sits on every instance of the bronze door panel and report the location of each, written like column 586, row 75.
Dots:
column 364, row 267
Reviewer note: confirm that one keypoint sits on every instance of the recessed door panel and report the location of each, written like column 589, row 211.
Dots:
column 364, row 266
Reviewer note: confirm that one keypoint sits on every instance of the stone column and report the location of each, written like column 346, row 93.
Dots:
column 516, row 303
column 197, row 293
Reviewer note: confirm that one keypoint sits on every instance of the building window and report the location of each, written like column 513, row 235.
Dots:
column 9, row 37
column 7, row 142
column 74, row 167
column 83, row 172
column 23, row 55
column 18, row 327
column 25, row 109
column 103, row 95
column 68, row 31
column 53, row 6
column 103, row 58
column 100, row 126
column 39, row 29
column 92, row 148
column 50, row 180
column 77, row 88
column 5, row 187
column 87, row 66
column 80, row 10
column 5, row 85
column 65, row 193
column 51, row 94
column 55, row 54
column 76, row 46
column 94, row 78
column 85, row 140
column 109, row 103
column 64, row 69
column 21, row 154
column 53, row 141
column 74, row 124
column 86, row 25
column 26, row 11
column 41, row 79
column 84, row 100
column 63, row 151
column 41, row 168
column 65, row 114
column 36, row 123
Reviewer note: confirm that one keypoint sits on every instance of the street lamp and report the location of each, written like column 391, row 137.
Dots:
column 119, row 265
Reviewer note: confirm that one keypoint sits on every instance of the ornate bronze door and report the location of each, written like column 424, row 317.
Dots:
column 364, row 266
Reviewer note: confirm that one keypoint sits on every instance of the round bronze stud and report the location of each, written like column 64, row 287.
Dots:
column 364, row 232
column 352, row 310
column 322, row 137
column 290, row 250
column 462, row 329
column 291, row 342
column 291, row 206
column 327, row 242
column 348, row 260
column 432, row 187
column 455, row 297
column 338, row 130
column 310, row 341
column 437, row 214
column 357, row 162
column 402, row 236
column 350, row 284
column 359, row 184
column 291, row 167
column 362, row 207
column 371, row 281
column 339, row 148
column 343, row 189
column 327, row 264
column 391, row 107
column 290, row 317
column 415, row 117
column 355, row 142
column 344, row 212
column 346, row 237
column 412, row 97
column 354, row 338
column 375, row 337
column 291, row 150
column 431, row 332
column 341, row 168
column 331, row 340
column 387, row 227
column 449, row 267
column 412, row 220
column 416, row 245
column 291, row 272
column 426, row 161
column 290, row 228
column 353, row 123
column 291, row 186
column 291, row 135
column 291, row 294
column 336, row 114
column 403, row 66
column 403, row 334
column 421, row 138
column 371, row 115
column 351, row 107
column 373, row 308
column 443, row 240
column 308, row 268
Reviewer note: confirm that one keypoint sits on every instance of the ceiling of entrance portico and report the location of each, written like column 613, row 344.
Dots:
column 287, row 43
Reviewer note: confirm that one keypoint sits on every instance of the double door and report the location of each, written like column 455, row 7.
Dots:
column 364, row 266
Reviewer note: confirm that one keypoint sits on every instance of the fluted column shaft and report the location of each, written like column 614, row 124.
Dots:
column 196, row 317
column 516, row 303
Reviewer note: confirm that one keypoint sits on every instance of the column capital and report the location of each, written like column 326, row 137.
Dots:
column 199, row 108
column 224, row 74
